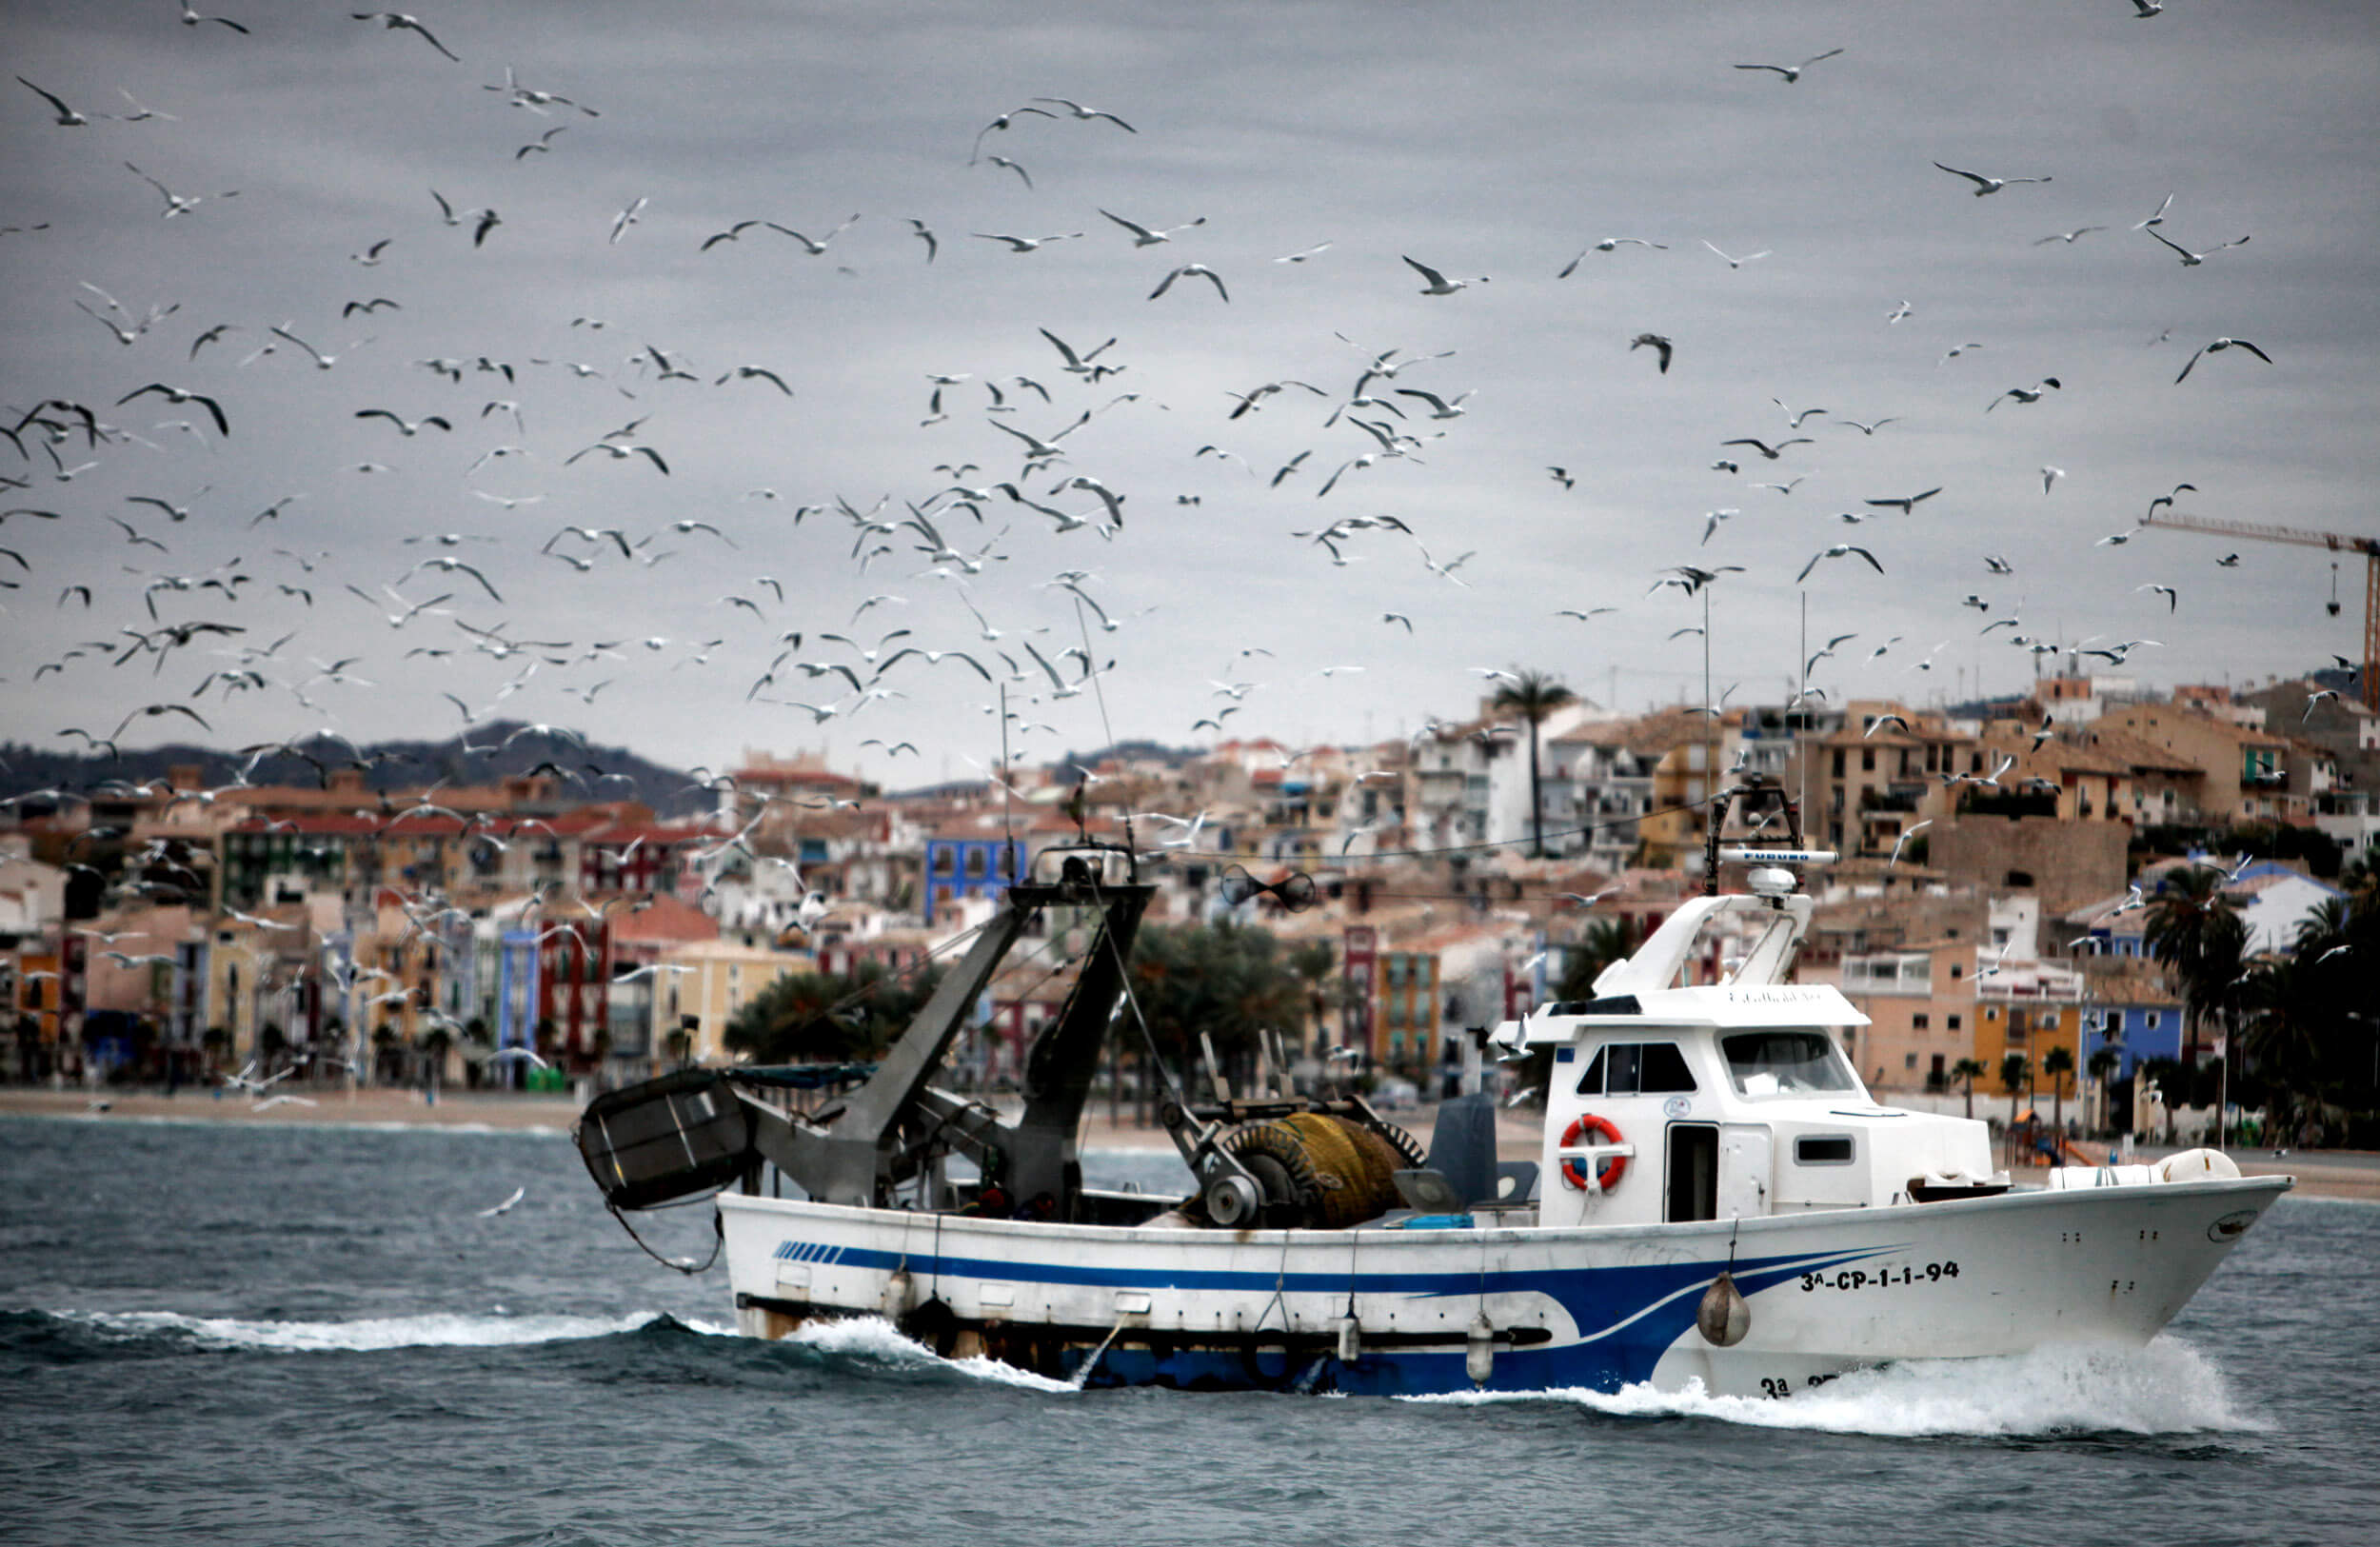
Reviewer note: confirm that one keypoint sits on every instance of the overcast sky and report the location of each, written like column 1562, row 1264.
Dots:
column 1495, row 141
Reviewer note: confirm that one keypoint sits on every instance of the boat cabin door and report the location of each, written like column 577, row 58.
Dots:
column 1744, row 1171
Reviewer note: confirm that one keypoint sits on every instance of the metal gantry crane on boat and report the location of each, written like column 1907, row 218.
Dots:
column 2335, row 541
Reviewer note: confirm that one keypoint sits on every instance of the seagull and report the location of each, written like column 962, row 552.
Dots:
column 177, row 204
column 544, row 143
column 176, row 394
column 1898, row 312
column 1956, row 350
column 2172, row 597
column 1737, row 262
column 2314, row 698
column 2024, row 394
column 68, row 117
column 2167, row 498
column 1001, row 122
column 1987, row 184
column 2067, row 237
column 451, row 566
column 1025, row 244
column 1610, row 244
column 1907, row 833
column 2229, row 561
column 518, row 1193
column 1771, row 452
column 1200, row 269
column 1004, row 161
column 1997, row 565
column 1439, row 408
column 483, row 220
column 1563, row 476
column 322, row 360
column 1304, row 255
column 1712, row 519
column 746, row 373
column 409, row 430
column 2192, row 260
column 398, row 21
column 2216, row 348
column 1655, row 342
column 1438, row 284
column 626, row 218
column 1837, row 551
column 1793, row 72
column 1079, row 110
column 2116, row 538
column 2050, row 475
column 621, row 452
column 815, row 247
column 2158, row 218
column 1146, row 236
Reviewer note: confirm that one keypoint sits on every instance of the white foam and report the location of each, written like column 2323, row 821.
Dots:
column 435, row 1330
column 2166, row 1388
column 875, row 1338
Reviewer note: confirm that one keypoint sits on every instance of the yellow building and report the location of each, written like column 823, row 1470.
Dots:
column 722, row 978
column 2005, row 1026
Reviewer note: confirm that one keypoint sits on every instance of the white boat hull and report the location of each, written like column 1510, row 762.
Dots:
column 1438, row 1310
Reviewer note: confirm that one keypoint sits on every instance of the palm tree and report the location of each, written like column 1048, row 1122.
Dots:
column 2015, row 1070
column 1532, row 695
column 2102, row 1067
column 2057, row 1063
column 2190, row 926
column 1316, row 963
column 1968, row 1071
column 1606, row 940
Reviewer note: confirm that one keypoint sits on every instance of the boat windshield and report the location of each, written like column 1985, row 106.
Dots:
column 1786, row 1063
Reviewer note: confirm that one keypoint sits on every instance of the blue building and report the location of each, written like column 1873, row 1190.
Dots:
column 957, row 867
column 2139, row 1032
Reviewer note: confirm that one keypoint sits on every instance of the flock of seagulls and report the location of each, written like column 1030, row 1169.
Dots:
column 1033, row 439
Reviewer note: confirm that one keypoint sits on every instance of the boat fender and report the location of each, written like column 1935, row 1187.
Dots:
column 1478, row 1350
column 1350, row 1339
column 1723, row 1317
column 896, row 1299
column 1608, row 1171
column 2197, row 1165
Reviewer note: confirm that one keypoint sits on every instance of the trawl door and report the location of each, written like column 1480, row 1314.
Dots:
column 1744, row 1169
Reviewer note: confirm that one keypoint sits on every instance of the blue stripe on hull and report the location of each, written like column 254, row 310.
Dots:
column 1626, row 1317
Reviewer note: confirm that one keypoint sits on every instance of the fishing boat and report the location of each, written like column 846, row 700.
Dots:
column 1715, row 1197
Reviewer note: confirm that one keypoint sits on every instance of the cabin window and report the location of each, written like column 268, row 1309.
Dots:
column 1637, row 1069
column 1822, row 1149
column 1785, row 1063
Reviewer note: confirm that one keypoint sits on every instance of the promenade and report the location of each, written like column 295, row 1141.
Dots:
column 2345, row 1173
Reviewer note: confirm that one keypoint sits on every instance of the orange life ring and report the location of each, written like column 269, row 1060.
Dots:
column 1607, row 1174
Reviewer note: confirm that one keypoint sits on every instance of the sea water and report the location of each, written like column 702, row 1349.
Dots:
column 217, row 1333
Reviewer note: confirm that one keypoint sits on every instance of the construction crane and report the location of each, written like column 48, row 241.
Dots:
column 2335, row 541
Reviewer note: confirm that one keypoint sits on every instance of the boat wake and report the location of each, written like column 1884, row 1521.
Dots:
column 433, row 1330
column 874, row 1341
column 869, row 1346
column 2166, row 1387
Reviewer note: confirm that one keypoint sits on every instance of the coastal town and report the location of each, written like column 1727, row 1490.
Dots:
column 2004, row 868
